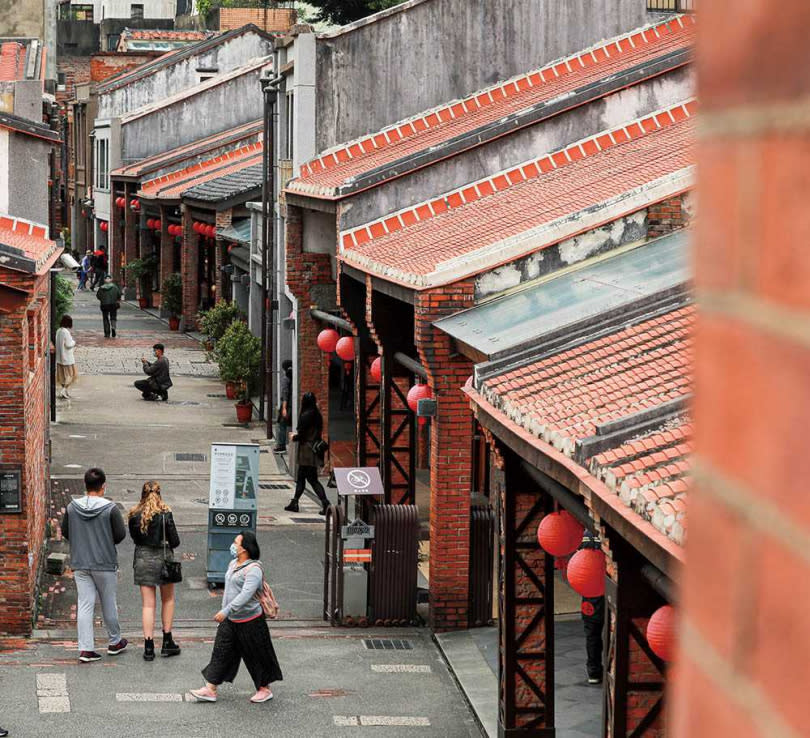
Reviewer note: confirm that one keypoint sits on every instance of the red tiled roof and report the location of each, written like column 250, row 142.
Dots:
column 562, row 399
column 154, row 163
column 153, row 34
column 171, row 186
column 435, row 242
column 31, row 239
column 321, row 176
column 12, row 61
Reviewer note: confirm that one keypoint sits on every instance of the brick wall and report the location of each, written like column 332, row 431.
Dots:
column 450, row 457
column 667, row 216
column 77, row 71
column 189, row 266
column 304, row 271
column 744, row 661
column 279, row 19
column 105, row 65
column 24, row 390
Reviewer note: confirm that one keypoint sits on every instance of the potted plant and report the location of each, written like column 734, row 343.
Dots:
column 238, row 353
column 138, row 274
column 172, row 299
column 214, row 322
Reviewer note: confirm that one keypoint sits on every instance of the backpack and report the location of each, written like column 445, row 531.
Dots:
column 266, row 598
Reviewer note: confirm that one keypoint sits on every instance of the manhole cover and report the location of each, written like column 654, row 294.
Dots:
column 216, row 394
column 307, row 520
column 190, row 457
column 267, row 485
column 387, row 644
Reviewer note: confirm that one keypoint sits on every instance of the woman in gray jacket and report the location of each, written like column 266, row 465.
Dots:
column 242, row 634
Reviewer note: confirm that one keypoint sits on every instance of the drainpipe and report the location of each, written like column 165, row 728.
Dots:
column 270, row 92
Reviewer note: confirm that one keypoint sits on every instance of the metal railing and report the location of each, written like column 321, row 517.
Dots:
column 671, row 6
column 482, row 551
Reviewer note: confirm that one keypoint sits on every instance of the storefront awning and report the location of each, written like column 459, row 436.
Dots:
column 599, row 286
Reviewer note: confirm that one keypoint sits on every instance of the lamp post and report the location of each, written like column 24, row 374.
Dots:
column 269, row 304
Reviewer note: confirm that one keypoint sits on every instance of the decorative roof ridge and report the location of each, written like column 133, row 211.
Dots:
column 23, row 226
column 243, row 152
column 528, row 170
column 484, row 97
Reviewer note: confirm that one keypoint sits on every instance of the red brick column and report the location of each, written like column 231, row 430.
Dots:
column 451, row 457
column 745, row 621
column 305, row 270
column 223, row 220
column 188, row 272
column 115, row 240
column 166, row 251
column 131, row 235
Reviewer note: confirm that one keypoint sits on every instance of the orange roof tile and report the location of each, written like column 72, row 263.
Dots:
column 483, row 224
column 563, row 398
column 171, row 186
column 322, row 176
column 28, row 240
column 12, row 60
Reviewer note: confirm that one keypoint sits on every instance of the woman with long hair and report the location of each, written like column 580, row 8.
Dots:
column 65, row 361
column 152, row 528
column 242, row 634
column 310, row 429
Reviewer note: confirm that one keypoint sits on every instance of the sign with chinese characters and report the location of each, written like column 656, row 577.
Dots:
column 10, row 491
column 234, row 476
column 357, row 528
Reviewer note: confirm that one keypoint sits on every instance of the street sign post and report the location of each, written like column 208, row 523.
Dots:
column 231, row 502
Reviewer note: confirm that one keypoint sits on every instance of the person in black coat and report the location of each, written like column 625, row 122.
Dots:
column 310, row 430
column 152, row 528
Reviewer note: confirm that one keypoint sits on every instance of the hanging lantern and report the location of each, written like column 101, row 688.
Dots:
column 195, row 226
column 327, row 340
column 416, row 393
column 559, row 534
column 104, row 226
column 345, row 348
column 134, row 204
column 661, row 632
column 149, row 223
column 212, row 231
column 120, row 202
column 586, row 572
column 376, row 369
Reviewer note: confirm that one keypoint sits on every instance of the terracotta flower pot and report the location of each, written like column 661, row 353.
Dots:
column 174, row 324
column 143, row 303
column 230, row 390
column 244, row 412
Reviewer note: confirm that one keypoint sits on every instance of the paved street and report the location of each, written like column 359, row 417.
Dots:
column 333, row 684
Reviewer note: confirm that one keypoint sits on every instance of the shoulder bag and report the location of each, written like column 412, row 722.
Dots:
column 171, row 572
column 266, row 598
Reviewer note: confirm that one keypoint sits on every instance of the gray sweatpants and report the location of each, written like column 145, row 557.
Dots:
column 89, row 585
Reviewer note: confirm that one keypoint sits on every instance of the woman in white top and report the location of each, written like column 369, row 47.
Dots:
column 66, row 373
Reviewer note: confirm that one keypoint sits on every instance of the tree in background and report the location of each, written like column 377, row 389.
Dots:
column 346, row 11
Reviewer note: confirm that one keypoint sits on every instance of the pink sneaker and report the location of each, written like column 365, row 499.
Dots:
column 262, row 695
column 204, row 695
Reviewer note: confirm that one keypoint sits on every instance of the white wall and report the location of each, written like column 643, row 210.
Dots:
column 4, row 167
column 121, row 8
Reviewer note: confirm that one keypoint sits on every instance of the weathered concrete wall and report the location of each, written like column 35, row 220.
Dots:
column 181, row 76
column 216, row 109
column 506, row 152
column 22, row 18
column 373, row 74
column 28, row 173
column 28, row 99
column 76, row 38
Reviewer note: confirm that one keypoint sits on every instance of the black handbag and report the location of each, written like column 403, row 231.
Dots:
column 171, row 572
column 320, row 447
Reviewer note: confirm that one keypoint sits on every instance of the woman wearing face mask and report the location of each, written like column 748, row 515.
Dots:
column 242, row 634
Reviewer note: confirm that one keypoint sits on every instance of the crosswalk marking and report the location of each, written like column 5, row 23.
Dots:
column 52, row 693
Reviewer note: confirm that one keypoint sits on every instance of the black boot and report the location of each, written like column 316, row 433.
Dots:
column 149, row 649
column 292, row 507
column 169, row 648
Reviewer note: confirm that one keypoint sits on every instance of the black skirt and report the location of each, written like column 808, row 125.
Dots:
column 148, row 563
column 249, row 642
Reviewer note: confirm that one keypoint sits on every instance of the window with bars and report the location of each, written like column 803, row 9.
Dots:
column 136, row 10
column 102, row 164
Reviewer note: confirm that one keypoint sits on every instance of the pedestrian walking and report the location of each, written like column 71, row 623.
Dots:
column 593, row 621
column 311, row 447
column 94, row 527
column 84, row 269
column 242, row 634
column 152, row 529
column 156, row 387
column 285, row 404
column 66, row 373
column 109, row 297
column 99, row 264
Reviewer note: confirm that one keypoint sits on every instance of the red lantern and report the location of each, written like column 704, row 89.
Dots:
column 104, row 226
column 586, row 572
column 345, row 348
column 174, row 230
column 327, row 340
column 134, row 204
column 376, row 369
column 195, row 226
column 416, row 393
column 559, row 534
column 212, row 231
column 661, row 632
column 149, row 222
column 120, row 202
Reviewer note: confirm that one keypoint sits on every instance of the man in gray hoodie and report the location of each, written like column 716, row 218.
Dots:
column 94, row 526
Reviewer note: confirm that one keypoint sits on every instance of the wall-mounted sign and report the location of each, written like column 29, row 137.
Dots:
column 10, row 491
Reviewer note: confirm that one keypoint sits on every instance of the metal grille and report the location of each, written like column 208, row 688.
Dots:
column 482, row 551
column 394, row 565
column 190, row 457
column 306, row 520
column 672, row 6
column 387, row 644
column 267, row 485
